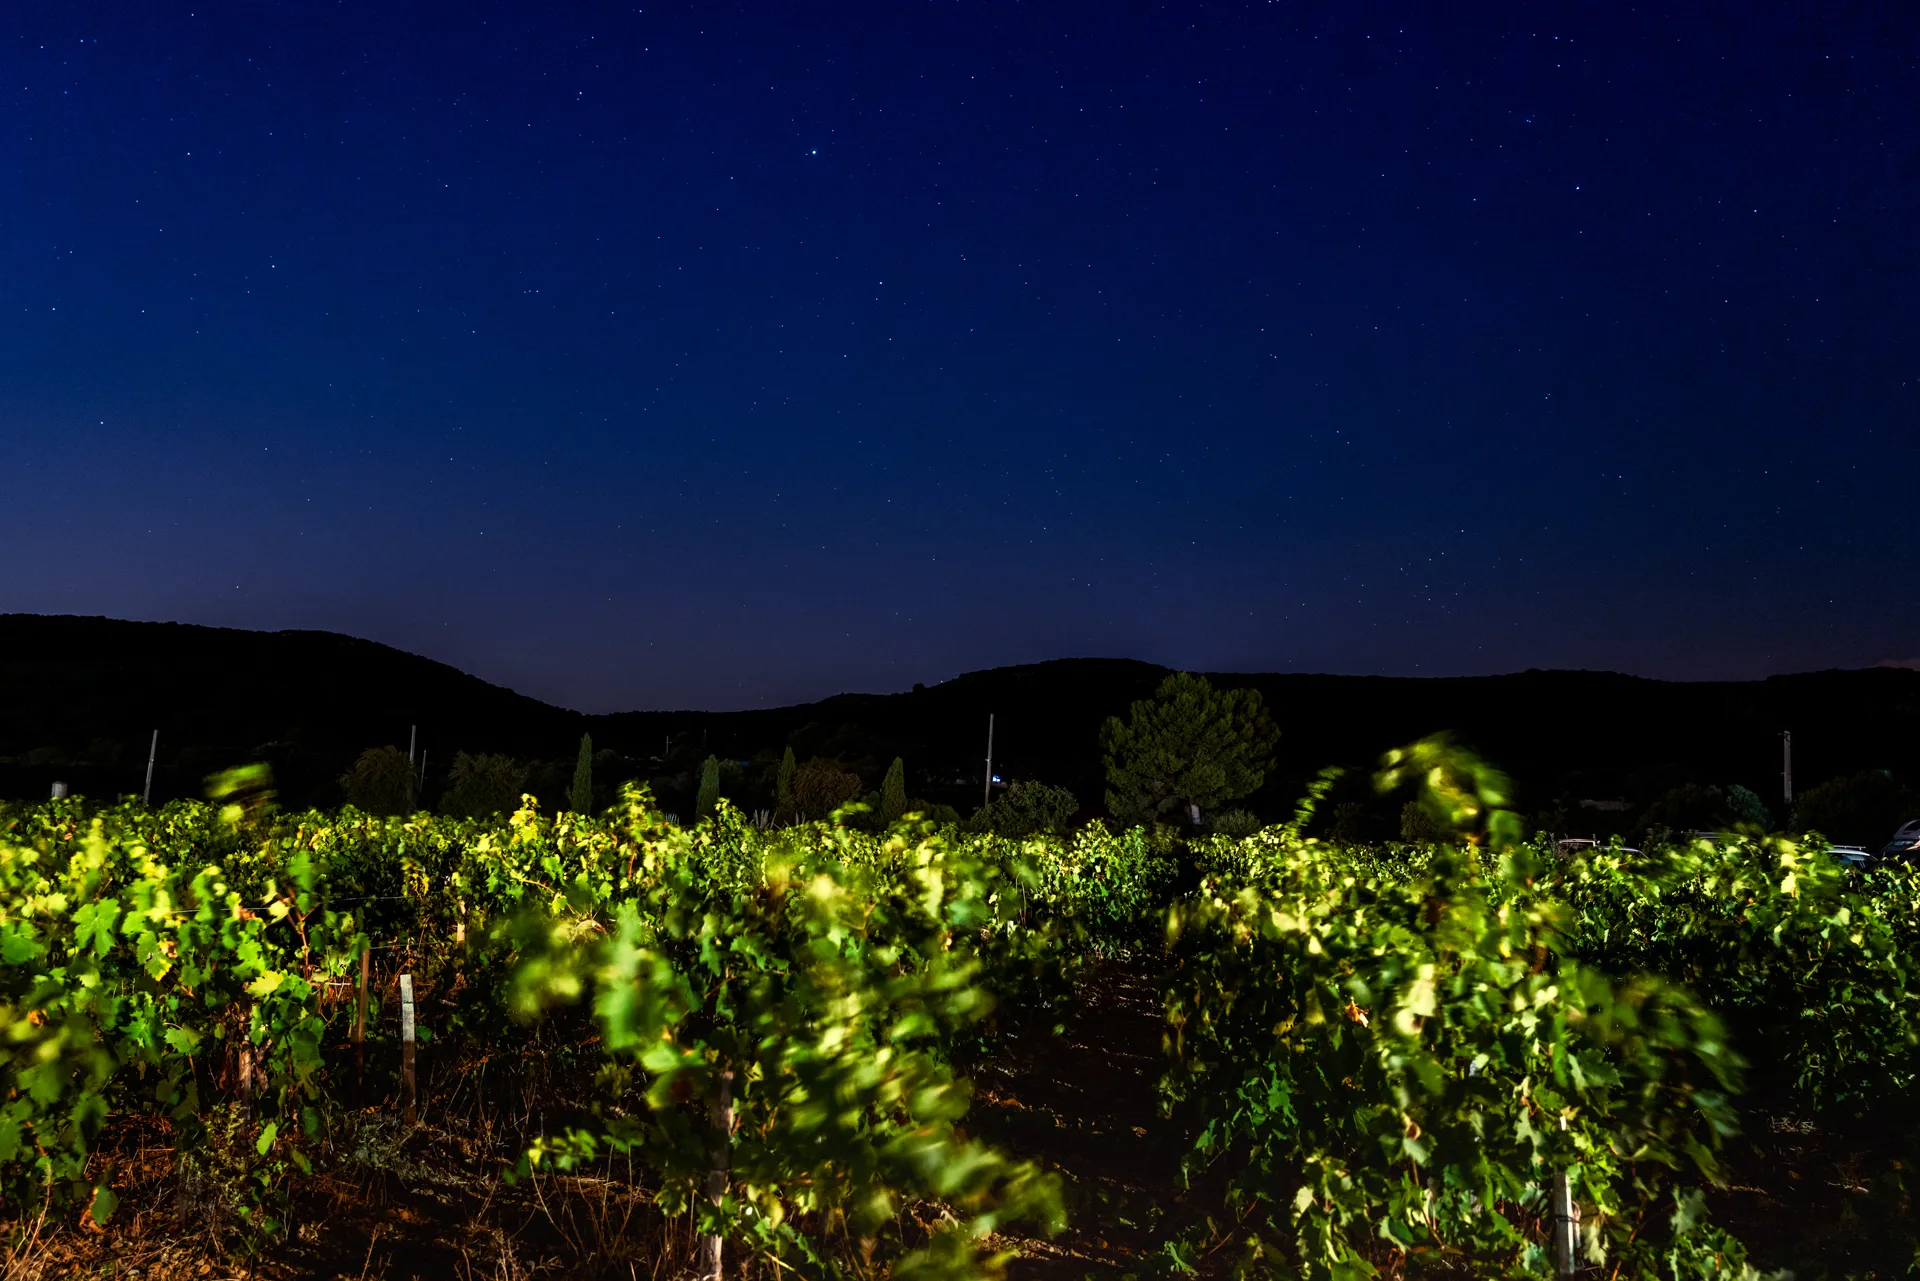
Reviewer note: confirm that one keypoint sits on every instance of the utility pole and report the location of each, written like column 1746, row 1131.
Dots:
column 146, row 793
column 413, row 736
column 1786, row 764
column 989, row 796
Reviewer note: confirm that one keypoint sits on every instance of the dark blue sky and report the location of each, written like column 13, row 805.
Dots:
column 727, row 355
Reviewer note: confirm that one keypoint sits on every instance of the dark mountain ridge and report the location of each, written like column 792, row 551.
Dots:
column 80, row 696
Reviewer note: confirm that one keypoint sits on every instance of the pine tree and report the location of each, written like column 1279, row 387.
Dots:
column 580, row 795
column 893, row 792
column 783, row 784
column 1190, row 746
column 709, row 798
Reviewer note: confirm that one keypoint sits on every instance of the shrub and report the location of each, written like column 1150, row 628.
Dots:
column 1026, row 809
column 820, row 787
column 381, row 781
column 483, row 784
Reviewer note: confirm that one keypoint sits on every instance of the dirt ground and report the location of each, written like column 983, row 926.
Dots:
column 1085, row 1101
column 1826, row 1200
column 426, row 1201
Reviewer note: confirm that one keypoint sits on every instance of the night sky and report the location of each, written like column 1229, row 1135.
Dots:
column 727, row 355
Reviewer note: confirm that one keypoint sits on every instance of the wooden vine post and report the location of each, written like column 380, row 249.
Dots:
column 1564, row 1220
column 406, row 1046
column 1566, row 1225
column 243, row 1073
column 360, row 1017
column 712, row 1245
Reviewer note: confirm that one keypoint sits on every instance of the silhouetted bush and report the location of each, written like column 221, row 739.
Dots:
column 484, row 784
column 820, row 787
column 1027, row 808
column 1862, row 809
column 381, row 781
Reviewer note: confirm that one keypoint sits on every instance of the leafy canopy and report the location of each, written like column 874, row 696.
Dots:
column 1189, row 745
column 380, row 782
column 484, row 784
column 1864, row 808
column 1028, row 808
column 820, row 787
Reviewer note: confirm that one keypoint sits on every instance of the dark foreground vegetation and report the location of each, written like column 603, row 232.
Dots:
column 1590, row 753
column 842, row 1049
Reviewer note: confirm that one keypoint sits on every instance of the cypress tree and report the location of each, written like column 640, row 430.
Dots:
column 893, row 792
column 709, row 797
column 580, row 795
column 783, row 783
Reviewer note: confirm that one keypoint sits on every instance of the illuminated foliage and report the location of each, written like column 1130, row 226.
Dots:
column 1386, row 1053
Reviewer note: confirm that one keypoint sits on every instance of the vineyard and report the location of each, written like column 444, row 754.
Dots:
column 325, row 1042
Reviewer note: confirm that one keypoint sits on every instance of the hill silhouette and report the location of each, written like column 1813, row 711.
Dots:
column 79, row 697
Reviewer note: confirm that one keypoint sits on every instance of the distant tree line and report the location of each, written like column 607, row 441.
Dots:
column 1179, row 761
column 1178, row 755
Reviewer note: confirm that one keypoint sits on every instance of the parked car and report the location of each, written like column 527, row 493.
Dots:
column 1905, row 841
column 1581, row 844
column 1853, row 856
